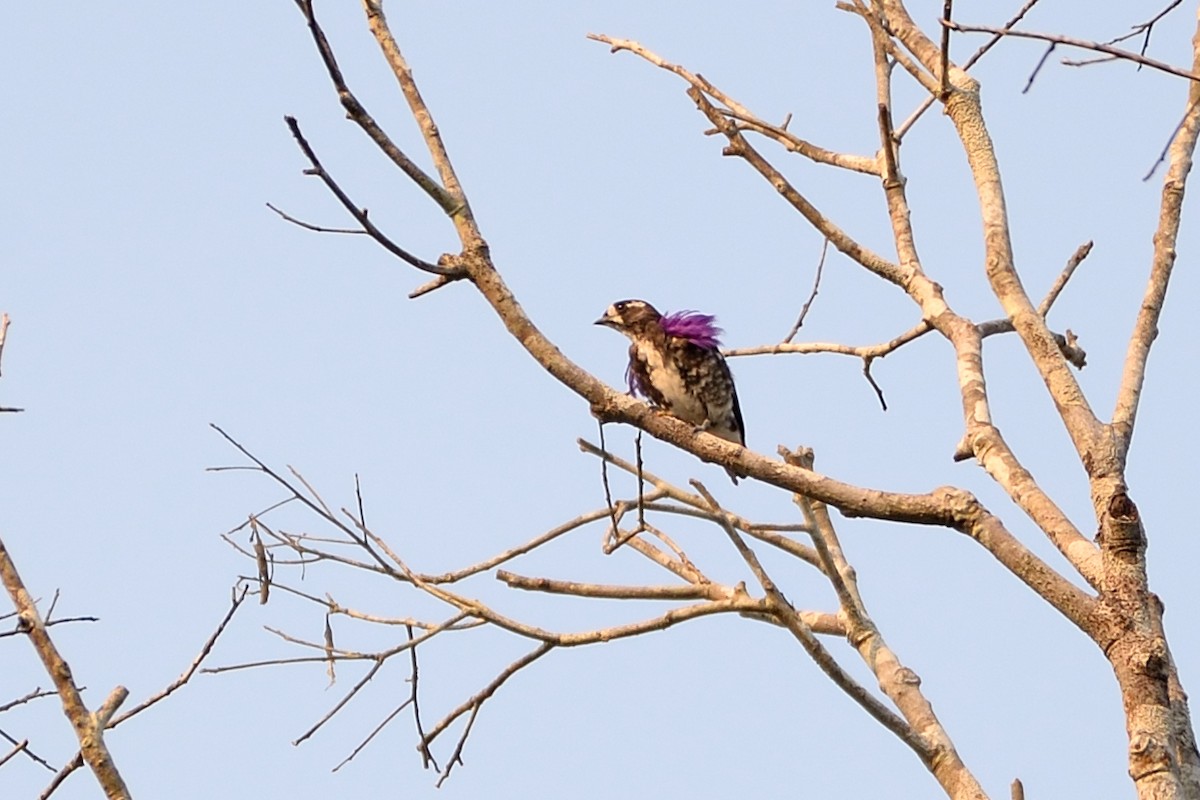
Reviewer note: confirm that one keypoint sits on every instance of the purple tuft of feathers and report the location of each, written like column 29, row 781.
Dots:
column 636, row 388
column 699, row 329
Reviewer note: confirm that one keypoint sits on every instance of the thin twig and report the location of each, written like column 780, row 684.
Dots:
column 857, row 351
column 456, row 756
column 794, row 144
column 1162, row 156
column 1038, row 68
column 1146, row 27
column 19, row 748
column 1069, row 41
column 533, row 544
column 36, row 694
column 486, row 692
column 4, row 320
column 361, row 745
column 32, row 756
column 947, row 10
column 1060, row 283
column 701, row 508
column 426, row 756
column 187, row 674
column 49, row 624
column 360, row 214
column 608, row 501
column 340, row 704
column 641, row 481
column 311, row 227
column 866, row 370
column 379, row 659
column 322, row 512
column 812, row 295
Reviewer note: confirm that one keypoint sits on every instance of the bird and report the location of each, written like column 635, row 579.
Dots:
column 675, row 362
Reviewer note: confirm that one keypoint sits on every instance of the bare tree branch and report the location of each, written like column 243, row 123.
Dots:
column 88, row 729
column 858, row 351
column 1070, row 41
column 4, row 320
column 944, row 72
column 360, row 214
column 701, row 88
column 22, row 748
column 1061, row 282
column 970, row 62
column 472, row 704
column 793, row 143
column 311, row 227
column 77, row 760
column 17, row 749
column 1120, row 617
column 899, row 683
column 1037, row 68
column 1147, row 27
column 812, row 295
column 36, row 694
column 356, row 112
column 1145, row 330
column 1162, row 156
column 822, row 657
column 456, row 205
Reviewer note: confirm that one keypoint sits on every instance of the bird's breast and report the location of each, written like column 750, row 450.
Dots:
column 667, row 379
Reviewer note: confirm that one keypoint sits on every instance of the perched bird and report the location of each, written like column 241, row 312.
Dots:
column 675, row 363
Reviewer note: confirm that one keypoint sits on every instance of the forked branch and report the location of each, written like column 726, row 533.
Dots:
column 88, row 727
column 1069, row 41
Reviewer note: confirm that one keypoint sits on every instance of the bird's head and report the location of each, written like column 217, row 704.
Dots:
column 630, row 317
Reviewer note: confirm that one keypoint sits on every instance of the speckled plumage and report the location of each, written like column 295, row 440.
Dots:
column 675, row 363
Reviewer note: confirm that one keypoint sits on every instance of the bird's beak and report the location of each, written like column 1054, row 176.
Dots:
column 605, row 320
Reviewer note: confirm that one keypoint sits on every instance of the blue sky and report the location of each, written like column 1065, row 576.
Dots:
column 152, row 293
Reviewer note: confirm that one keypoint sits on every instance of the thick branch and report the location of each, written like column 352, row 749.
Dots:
column 822, row 657
column 965, row 111
column 898, row 682
column 457, row 206
column 1145, row 328
column 970, row 62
